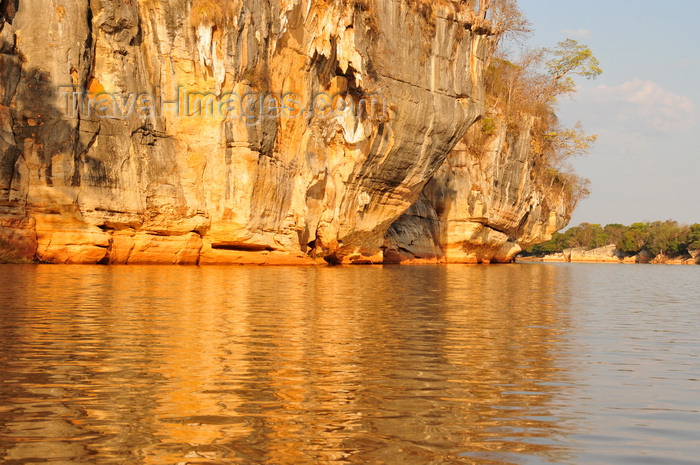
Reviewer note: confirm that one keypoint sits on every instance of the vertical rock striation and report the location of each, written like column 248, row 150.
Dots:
column 89, row 173
column 486, row 203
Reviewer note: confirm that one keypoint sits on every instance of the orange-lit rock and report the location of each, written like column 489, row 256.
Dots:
column 483, row 205
column 88, row 181
column 607, row 254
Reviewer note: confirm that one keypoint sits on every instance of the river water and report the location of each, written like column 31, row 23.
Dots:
column 500, row 364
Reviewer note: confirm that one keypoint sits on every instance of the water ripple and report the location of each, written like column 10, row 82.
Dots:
column 527, row 364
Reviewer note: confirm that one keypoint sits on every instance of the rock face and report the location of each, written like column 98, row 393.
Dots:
column 179, row 131
column 485, row 203
column 607, row 254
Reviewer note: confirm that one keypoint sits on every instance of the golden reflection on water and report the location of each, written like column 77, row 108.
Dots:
column 393, row 365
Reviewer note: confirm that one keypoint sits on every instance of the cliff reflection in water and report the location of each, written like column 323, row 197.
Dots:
column 457, row 364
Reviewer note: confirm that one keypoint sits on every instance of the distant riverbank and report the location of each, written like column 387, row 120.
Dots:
column 665, row 242
column 610, row 254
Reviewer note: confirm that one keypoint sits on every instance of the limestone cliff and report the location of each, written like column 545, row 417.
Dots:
column 491, row 199
column 91, row 173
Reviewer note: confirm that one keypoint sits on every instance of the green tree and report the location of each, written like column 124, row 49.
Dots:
column 660, row 237
column 588, row 235
column 614, row 232
column 549, row 247
column 693, row 240
column 666, row 238
column 567, row 59
column 633, row 239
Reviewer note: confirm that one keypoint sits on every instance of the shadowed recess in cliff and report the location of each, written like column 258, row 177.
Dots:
column 8, row 10
column 221, row 188
column 42, row 148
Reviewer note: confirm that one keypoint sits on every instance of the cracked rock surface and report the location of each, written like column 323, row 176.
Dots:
column 105, row 158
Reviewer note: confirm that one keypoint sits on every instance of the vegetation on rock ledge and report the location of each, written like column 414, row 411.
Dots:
column 525, row 92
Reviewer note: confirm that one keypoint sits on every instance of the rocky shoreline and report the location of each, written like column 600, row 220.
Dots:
column 610, row 254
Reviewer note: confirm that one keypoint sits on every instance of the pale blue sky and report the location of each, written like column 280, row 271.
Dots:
column 645, row 107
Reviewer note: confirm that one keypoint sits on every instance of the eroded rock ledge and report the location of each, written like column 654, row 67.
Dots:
column 486, row 203
column 77, row 187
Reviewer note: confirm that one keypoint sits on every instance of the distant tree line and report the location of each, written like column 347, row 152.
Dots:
column 658, row 238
